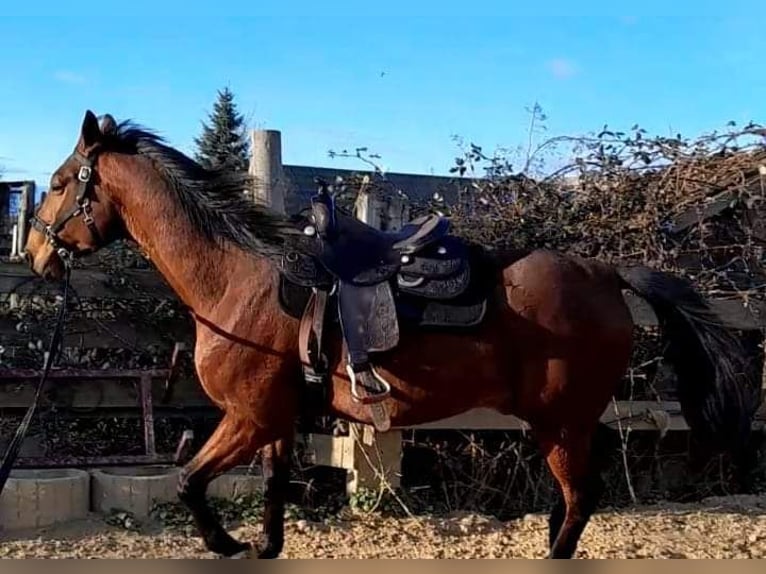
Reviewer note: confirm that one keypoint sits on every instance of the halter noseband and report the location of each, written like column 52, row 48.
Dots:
column 82, row 206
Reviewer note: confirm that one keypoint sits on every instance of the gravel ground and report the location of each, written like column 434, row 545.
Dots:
column 730, row 527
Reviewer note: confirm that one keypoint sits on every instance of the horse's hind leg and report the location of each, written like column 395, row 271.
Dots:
column 572, row 460
column 276, row 475
column 234, row 442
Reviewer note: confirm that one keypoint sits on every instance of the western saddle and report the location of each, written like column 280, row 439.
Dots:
column 419, row 276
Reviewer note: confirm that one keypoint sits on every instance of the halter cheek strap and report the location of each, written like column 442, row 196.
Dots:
column 82, row 207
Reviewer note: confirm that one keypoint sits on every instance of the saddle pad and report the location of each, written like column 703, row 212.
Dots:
column 420, row 313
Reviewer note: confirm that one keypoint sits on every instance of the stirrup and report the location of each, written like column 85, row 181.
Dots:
column 365, row 396
column 374, row 402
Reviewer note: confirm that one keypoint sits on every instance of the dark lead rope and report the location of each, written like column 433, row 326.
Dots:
column 14, row 447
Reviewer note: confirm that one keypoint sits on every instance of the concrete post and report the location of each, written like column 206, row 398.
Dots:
column 266, row 168
column 26, row 201
column 365, row 209
column 14, row 241
column 366, row 206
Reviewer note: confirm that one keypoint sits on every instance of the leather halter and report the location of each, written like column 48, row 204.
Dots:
column 82, row 206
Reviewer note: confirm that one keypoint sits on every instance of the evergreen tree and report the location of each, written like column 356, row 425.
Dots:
column 223, row 142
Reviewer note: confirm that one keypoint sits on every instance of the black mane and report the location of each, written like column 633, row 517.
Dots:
column 214, row 201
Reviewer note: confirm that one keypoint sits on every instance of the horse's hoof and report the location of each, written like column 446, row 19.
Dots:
column 240, row 552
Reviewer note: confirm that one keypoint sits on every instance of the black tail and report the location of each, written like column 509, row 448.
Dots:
column 719, row 386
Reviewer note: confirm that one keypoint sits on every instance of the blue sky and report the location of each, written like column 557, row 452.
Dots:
column 398, row 77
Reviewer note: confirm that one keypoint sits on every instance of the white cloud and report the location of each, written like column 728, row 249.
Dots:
column 562, row 68
column 69, row 77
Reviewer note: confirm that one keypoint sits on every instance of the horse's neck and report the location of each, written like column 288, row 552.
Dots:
column 200, row 272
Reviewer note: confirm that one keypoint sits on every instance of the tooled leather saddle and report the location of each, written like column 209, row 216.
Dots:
column 371, row 284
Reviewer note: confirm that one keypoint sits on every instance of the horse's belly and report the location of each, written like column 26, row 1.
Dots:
column 434, row 376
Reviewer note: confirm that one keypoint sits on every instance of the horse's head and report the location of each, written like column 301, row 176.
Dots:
column 75, row 217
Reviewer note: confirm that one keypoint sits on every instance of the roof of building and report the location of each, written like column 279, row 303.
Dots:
column 416, row 187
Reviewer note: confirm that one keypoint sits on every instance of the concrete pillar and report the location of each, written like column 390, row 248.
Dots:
column 362, row 207
column 26, row 203
column 14, row 241
column 266, row 168
column 367, row 209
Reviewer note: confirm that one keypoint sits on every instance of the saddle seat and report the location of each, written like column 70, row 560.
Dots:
column 411, row 238
column 362, row 255
column 378, row 281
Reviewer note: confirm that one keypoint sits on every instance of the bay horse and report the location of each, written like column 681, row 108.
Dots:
column 555, row 342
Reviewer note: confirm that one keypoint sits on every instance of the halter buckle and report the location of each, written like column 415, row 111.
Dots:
column 84, row 174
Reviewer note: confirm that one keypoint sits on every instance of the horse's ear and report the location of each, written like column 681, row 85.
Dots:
column 90, row 133
column 108, row 125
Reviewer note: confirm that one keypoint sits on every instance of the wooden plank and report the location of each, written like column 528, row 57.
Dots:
column 93, row 461
column 474, row 419
column 380, row 462
column 369, row 465
column 202, row 412
column 636, row 415
column 88, row 283
column 692, row 216
column 713, row 205
column 632, row 413
column 112, row 333
column 94, row 393
column 67, row 373
column 645, row 415
column 731, row 311
column 148, row 284
column 109, row 389
column 91, row 334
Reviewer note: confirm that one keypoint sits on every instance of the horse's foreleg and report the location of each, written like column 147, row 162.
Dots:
column 276, row 475
column 235, row 441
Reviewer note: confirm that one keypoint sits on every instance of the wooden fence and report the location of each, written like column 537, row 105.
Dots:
column 140, row 392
